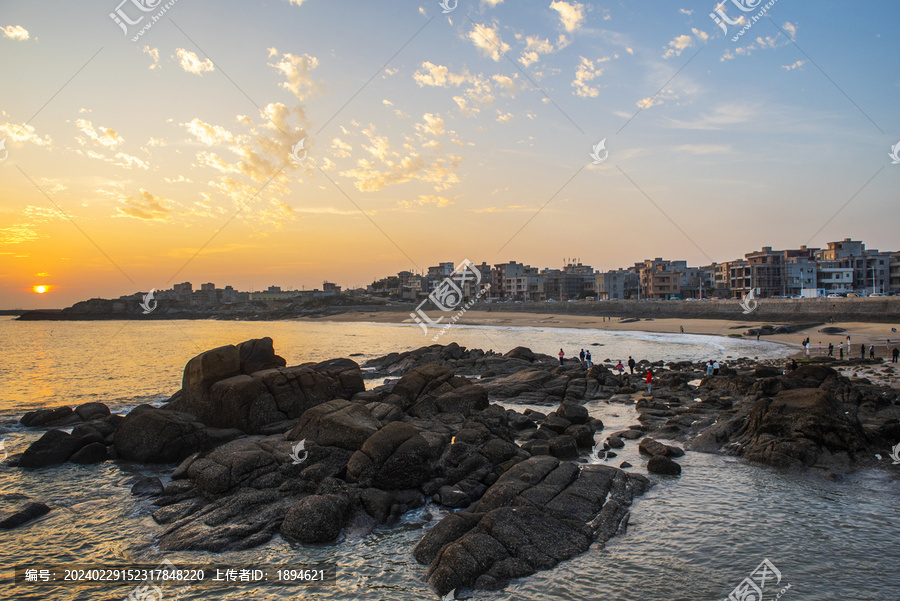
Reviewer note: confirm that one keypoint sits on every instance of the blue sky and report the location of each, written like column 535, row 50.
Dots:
column 132, row 173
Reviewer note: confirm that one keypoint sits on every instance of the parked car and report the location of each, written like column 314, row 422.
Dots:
column 834, row 296
column 853, row 295
column 877, row 294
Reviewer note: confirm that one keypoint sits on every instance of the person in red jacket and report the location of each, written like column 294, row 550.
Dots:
column 649, row 380
column 561, row 355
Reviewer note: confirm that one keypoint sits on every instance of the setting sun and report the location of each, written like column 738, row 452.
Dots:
column 41, row 289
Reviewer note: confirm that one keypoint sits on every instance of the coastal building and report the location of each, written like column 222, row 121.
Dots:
column 620, row 284
column 801, row 277
column 895, row 273
column 834, row 276
column 871, row 268
column 660, row 279
column 739, row 278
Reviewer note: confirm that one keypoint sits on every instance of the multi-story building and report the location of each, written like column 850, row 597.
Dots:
column 895, row 273
column 620, row 284
column 801, row 277
column 660, row 279
column 834, row 276
column 739, row 276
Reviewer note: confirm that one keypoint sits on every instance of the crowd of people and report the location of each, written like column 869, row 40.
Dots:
column 893, row 351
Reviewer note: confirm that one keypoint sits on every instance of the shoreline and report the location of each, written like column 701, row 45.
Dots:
column 860, row 332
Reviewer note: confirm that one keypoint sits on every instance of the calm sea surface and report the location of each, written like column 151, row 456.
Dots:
column 692, row 538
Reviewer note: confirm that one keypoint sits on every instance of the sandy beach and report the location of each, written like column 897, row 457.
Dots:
column 860, row 332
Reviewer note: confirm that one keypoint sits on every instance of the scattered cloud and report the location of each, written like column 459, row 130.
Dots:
column 297, row 71
column 792, row 66
column 685, row 11
column 154, row 55
column 487, row 39
column 102, row 136
column 504, row 117
column 22, row 133
column 678, row 45
column 479, row 89
column 15, row 32
column 587, row 71
column 191, row 63
column 536, row 46
column 422, row 200
column 571, row 15
column 211, row 135
column 145, row 206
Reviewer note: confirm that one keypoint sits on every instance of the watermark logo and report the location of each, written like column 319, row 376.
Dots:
column 295, row 152
column 895, row 153
column 448, row 296
column 720, row 18
column 149, row 304
column 121, row 18
column 752, row 587
column 597, row 149
column 3, row 448
column 749, row 302
column 452, row 594
column 895, row 454
column 298, row 448
column 148, row 590
column 448, row 8
column 6, row 152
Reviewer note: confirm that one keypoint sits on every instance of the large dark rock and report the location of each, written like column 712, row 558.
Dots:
column 800, row 428
column 660, row 464
column 247, row 386
column 540, row 512
column 315, row 519
column 44, row 417
column 651, row 447
column 94, row 452
column 257, row 355
column 151, row 435
column 337, row 423
column 22, row 515
column 395, row 457
column 54, row 447
column 92, row 411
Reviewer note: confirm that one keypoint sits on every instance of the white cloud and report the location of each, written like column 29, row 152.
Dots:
column 685, row 11
column 504, row 117
column 210, row 135
column 570, row 15
column 587, row 71
column 678, row 45
column 22, row 133
column 536, row 46
column 297, row 70
column 15, row 32
column 106, row 137
column 792, row 66
column 487, row 39
column 422, row 200
column 191, row 63
column 154, row 54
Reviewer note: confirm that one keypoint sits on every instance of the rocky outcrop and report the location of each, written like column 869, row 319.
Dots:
column 23, row 515
column 152, row 435
column 248, row 387
column 540, row 512
column 64, row 416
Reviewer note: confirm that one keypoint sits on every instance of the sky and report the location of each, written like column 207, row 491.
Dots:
column 291, row 142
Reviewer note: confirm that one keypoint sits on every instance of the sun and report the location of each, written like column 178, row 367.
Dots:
column 41, row 289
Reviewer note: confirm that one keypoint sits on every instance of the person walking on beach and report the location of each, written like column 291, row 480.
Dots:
column 620, row 367
column 631, row 364
column 758, row 332
column 715, row 367
column 841, row 356
column 649, row 380
column 561, row 355
column 682, row 329
column 862, row 351
column 895, row 355
column 581, row 356
column 872, row 352
column 830, row 349
column 587, row 359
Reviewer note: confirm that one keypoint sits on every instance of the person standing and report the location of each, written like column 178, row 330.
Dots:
column 872, row 352
column 716, row 368
column 581, row 356
column 895, row 355
column 649, row 380
column 862, row 351
column 561, row 355
column 631, row 364
column 587, row 359
column 709, row 368
column 841, row 355
column 758, row 332
column 831, row 349
column 682, row 329
column 819, row 351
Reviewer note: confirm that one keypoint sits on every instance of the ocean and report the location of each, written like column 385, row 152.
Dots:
column 691, row 538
